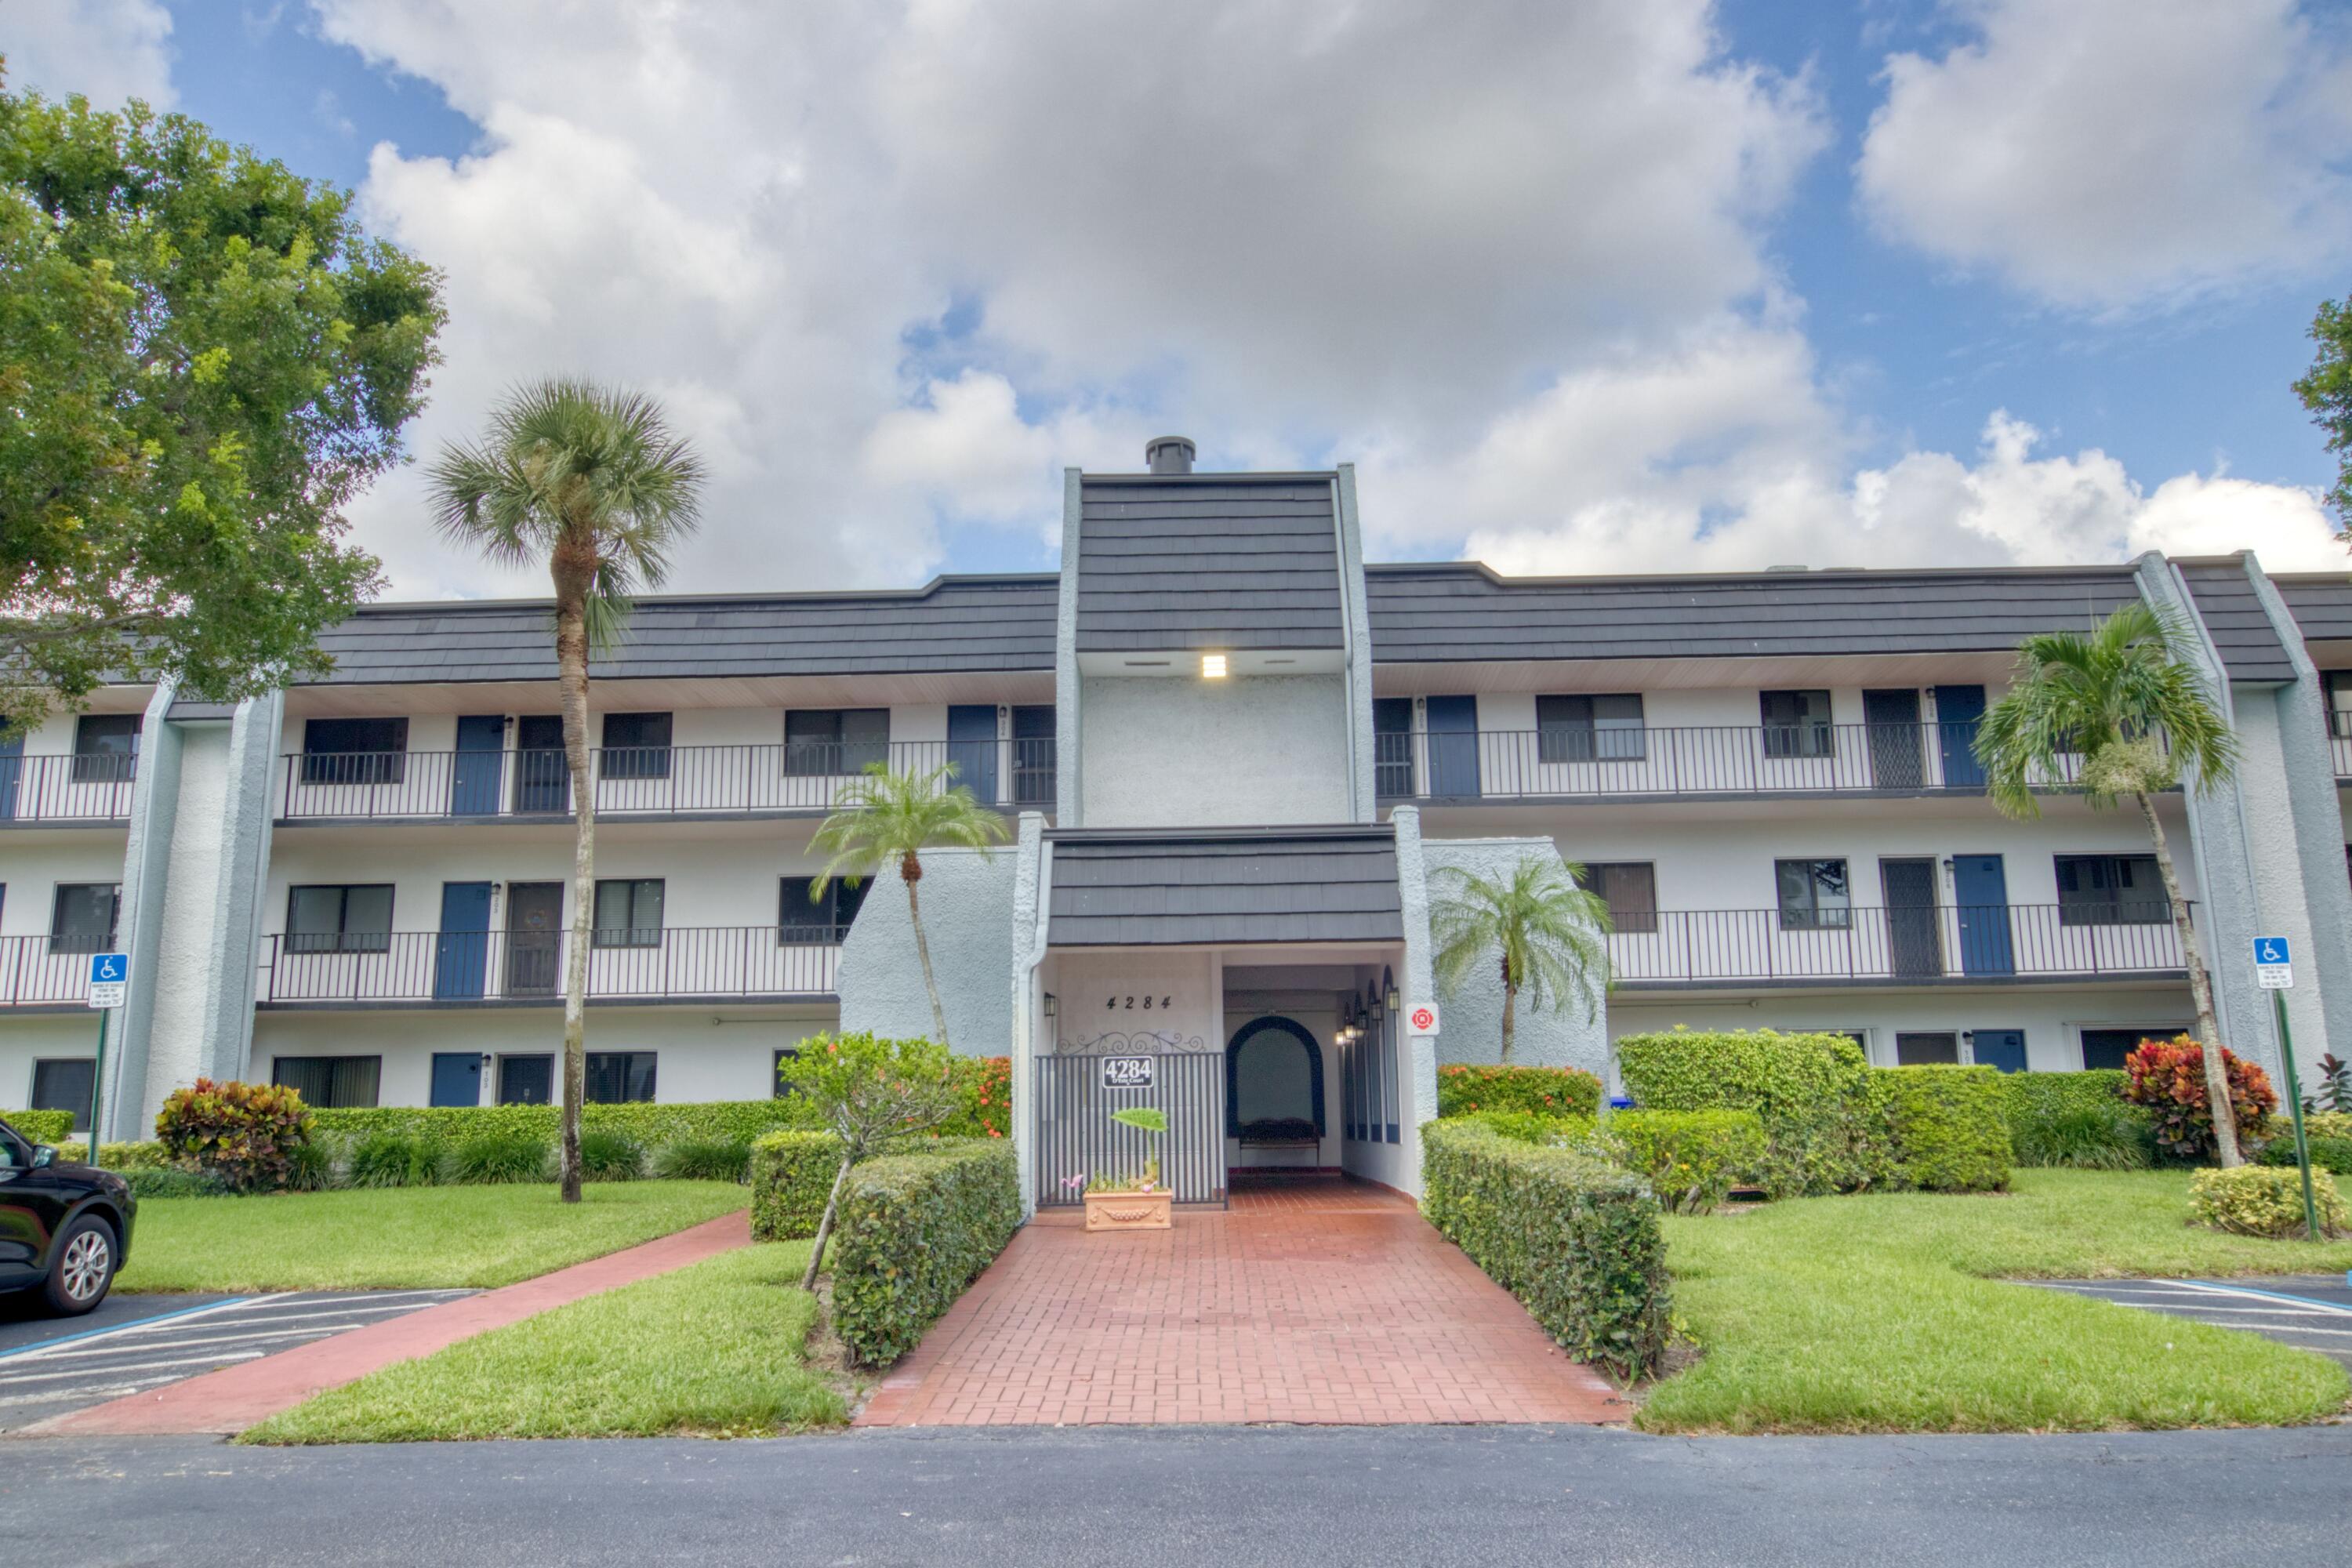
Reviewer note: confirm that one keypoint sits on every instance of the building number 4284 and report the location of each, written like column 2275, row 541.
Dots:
column 1128, row 1003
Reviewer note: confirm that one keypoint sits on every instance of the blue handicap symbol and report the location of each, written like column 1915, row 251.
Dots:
column 106, row 966
column 2270, row 950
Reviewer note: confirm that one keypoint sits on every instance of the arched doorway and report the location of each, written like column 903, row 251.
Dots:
column 1274, row 1090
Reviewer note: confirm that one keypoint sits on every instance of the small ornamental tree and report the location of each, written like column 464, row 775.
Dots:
column 2168, row 1077
column 869, row 1090
column 246, row 1133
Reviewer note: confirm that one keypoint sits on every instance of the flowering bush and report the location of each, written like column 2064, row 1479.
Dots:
column 1545, row 1092
column 245, row 1133
column 2168, row 1077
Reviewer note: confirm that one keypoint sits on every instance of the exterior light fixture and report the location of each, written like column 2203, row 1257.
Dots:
column 1053, row 1005
column 1213, row 667
column 1394, row 1000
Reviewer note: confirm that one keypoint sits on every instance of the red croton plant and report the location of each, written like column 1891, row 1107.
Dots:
column 2168, row 1077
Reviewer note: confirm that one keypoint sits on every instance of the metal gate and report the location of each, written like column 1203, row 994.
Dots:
column 1076, row 1093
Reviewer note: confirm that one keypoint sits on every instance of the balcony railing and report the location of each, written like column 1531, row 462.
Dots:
column 647, row 780
column 47, row 971
column 462, row 966
column 66, row 789
column 1894, row 946
column 2339, row 740
column 1723, row 760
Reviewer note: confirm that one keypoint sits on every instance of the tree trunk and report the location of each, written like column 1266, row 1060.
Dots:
column 824, row 1224
column 1510, row 1011
column 911, row 872
column 572, row 675
column 2200, row 995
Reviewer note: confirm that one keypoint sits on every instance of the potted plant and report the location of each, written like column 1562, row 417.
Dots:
column 1133, row 1203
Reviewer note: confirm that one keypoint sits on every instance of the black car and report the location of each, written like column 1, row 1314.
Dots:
column 65, row 1229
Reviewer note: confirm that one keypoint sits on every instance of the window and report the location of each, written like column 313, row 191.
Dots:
column 628, row 912
column 826, row 920
column 354, row 750
column 1797, row 724
column 526, row 1080
column 819, row 741
column 636, row 746
column 64, row 1084
column 106, row 747
column 615, row 1077
column 331, row 919
column 785, row 1058
column 2339, row 701
column 1813, row 895
column 330, row 1081
column 2108, row 1048
column 2110, row 891
column 1630, row 889
column 1584, row 729
column 82, row 920
column 1926, row 1049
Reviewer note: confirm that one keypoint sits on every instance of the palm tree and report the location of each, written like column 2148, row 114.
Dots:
column 2124, row 698
column 1546, row 932
column 593, row 483
column 886, row 817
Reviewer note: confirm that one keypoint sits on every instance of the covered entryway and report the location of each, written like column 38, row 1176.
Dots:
column 1313, row 1299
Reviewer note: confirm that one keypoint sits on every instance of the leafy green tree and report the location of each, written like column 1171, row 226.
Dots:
column 1548, row 935
column 870, row 1091
column 203, row 360
column 2326, row 390
column 2125, row 699
column 594, row 485
column 887, row 817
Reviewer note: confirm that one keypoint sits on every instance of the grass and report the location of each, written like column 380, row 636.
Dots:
column 1885, row 1314
column 402, row 1237
column 714, row 1349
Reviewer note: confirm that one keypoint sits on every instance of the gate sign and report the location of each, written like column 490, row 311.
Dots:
column 1126, row 1072
column 2273, row 970
column 109, row 978
column 1424, row 1018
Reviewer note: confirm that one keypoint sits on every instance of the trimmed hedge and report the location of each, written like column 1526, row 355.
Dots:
column 2327, row 1154
column 1527, row 1127
column 1950, row 1126
column 51, row 1126
column 147, row 1156
column 1539, row 1092
column 1573, row 1237
column 911, row 1232
column 1692, row 1159
column 1824, row 1111
column 791, row 1175
column 647, row 1122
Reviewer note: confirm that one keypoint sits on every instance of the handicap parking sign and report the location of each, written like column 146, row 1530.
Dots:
column 2273, row 965
column 109, row 978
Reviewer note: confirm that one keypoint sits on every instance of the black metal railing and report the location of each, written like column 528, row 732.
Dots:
column 648, row 781
column 1077, row 1138
column 459, row 966
column 47, row 971
column 1922, row 945
column 1714, row 760
column 2339, row 740
column 95, row 787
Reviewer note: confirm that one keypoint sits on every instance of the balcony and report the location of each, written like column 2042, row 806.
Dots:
column 86, row 790
column 1967, row 944
column 1667, row 763
column 47, row 971
column 477, row 968
column 644, row 782
column 2340, row 740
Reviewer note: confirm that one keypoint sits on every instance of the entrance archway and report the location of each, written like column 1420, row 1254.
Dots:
column 1274, row 1083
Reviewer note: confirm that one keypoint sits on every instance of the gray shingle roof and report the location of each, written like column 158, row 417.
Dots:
column 189, row 709
column 1207, row 560
column 2321, row 604
column 1432, row 614
column 1119, row 888
column 2233, row 616
column 954, row 624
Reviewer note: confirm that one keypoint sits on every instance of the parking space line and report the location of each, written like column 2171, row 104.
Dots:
column 127, row 1328
column 2309, row 1302
column 290, row 1336
column 139, row 1366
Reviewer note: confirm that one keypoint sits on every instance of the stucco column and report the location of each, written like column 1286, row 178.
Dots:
column 1070, row 774
column 1419, row 1058
column 1030, row 907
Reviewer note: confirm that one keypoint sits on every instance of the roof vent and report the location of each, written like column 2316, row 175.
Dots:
column 1170, row 454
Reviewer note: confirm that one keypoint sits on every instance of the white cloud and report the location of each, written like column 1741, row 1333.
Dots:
column 2113, row 153
column 108, row 50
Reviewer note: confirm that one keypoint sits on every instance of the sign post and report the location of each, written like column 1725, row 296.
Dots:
column 110, row 985
column 2275, row 973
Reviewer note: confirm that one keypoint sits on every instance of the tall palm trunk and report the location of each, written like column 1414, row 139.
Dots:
column 911, row 870
column 572, row 675
column 2201, row 995
column 1510, row 1009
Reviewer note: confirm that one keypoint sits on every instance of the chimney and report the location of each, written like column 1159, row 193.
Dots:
column 1170, row 454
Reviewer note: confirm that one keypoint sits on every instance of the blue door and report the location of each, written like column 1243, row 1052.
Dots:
column 1980, row 903
column 476, row 772
column 461, row 959
column 1453, row 747
column 456, row 1078
column 2003, row 1048
column 1958, row 710
column 11, row 768
column 971, row 748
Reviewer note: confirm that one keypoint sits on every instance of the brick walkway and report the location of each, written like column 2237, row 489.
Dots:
column 1319, row 1301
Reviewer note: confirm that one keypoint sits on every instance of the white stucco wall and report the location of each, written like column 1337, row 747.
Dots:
column 47, row 1036
column 184, row 940
column 1258, row 751
column 967, row 902
column 1558, row 1036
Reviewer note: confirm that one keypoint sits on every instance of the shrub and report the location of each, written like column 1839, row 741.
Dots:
column 1824, row 1114
column 2091, row 1136
column 1950, row 1126
column 1692, row 1159
column 50, row 1127
column 1574, row 1238
column 1539, row 1092
column 243, row 1133
column 911, row 1232
column 2327, row 1154
column 142, row 1156
column 704, row 1160
column 986, row 1084
column 2168, row 1077
column 395, row 1160
column 174, row 1181
column 2327, row 1124
column 609, row 1154
column 649, row 1123
column 309, row 1168
column 791, row 1175
column 2262, row 1200
column 1527, row 1127
column 507, row 1155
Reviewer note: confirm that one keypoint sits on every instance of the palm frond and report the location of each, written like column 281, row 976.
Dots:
column 1550, row 931
column 885, row 817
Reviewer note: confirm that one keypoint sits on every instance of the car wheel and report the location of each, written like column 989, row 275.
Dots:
column 83, row 1268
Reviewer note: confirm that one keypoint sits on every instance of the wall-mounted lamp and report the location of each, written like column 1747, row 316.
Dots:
column 1395, row 1001
column 1213, row 667
column 1053, row 1005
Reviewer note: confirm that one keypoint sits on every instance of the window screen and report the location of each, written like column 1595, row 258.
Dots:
column 527, row 1080
column 825, row 920
column 354, row 750
column 1813, row 895
column 1606, row 728
column 629, row 912
column 2108, row 1048
column 338, row 919
column 636, row 746
column 615, row 1077
column 825, row 740
column 330, row 1081
column 64, row 1084
column 106, row 747
column 1926, row 1049
column 1796, row 723
column 2110, row 891
column 82, row 920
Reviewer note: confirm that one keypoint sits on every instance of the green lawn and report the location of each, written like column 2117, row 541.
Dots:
column 712, row 1349
column 402, row 1238
column 1877, row 1313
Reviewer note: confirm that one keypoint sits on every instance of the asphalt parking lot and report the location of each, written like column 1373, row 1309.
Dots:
column 2311, row 1311
column 49, row 1366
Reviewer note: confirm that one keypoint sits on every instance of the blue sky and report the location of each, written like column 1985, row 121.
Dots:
column 1893, row 283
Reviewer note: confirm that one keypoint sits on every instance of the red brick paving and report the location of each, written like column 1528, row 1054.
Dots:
column 1324, row 1302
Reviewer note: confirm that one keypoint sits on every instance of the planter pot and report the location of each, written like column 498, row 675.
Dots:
column 1130, row 1211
